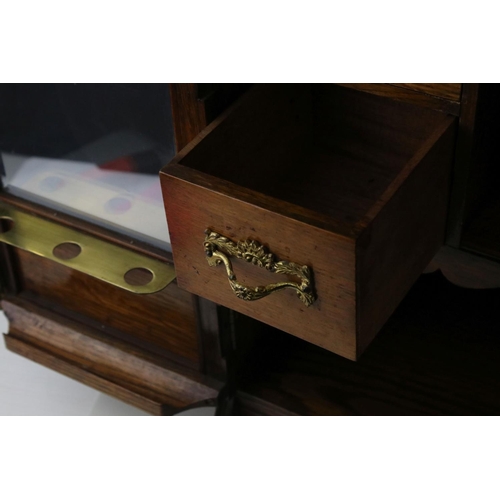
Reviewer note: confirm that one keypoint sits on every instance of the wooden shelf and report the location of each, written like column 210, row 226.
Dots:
column 439, row 354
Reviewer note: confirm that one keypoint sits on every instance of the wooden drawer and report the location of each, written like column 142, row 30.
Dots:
column 350, row 184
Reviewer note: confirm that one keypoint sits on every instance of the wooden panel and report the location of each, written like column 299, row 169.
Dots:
column 109, row 365
column 404, row 236
column 195, row 105
column 188, row 113
column 407, row 95
column 164, row 321
column 270, row 125
column 149, row 403
column 450, row 91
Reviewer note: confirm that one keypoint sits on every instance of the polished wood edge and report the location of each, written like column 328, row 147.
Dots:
column 448, row 91
column 81, row 375
column 188, row 113
column 86, row 227
column 466, row 269
column 403, row 237
column 462, row 169
column 92, row 352
column 201, row 132
column 128, row 338
column 25, row 312
column 233, row 191
column 407, row 95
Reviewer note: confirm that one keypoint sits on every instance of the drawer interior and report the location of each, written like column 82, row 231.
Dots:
column 323, row 147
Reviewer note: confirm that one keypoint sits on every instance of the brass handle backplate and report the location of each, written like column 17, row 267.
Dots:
column 218, row 249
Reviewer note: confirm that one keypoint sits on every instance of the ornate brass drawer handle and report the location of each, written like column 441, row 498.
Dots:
column 218, row 248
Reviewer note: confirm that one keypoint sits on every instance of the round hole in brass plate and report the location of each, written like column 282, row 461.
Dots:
column 139, row 276
column 67, row 250
column 6, row 224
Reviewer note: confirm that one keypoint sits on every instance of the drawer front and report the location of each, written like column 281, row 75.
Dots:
column 328, row 322
column 366, row 232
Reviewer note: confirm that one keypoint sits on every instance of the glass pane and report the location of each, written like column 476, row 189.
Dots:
column 91, row 150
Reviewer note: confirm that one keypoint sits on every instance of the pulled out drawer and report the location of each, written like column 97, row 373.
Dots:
column 312, row 208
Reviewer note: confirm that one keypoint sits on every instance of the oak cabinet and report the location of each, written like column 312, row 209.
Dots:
column 347, row 192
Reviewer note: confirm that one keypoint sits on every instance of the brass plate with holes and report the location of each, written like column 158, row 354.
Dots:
column 97, row 258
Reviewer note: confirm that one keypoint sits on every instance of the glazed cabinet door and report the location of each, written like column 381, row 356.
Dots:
column 89, row 284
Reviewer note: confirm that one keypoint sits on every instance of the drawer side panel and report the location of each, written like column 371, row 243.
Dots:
column 402, row 239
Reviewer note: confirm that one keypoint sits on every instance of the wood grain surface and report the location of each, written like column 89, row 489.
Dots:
column 110, row 365
column 330, row 320
column 404, row 235
column 195, row 105
column 439, row 354
column 163, row 322
column 188, row 113
column 409, row 95
column 450, row 91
